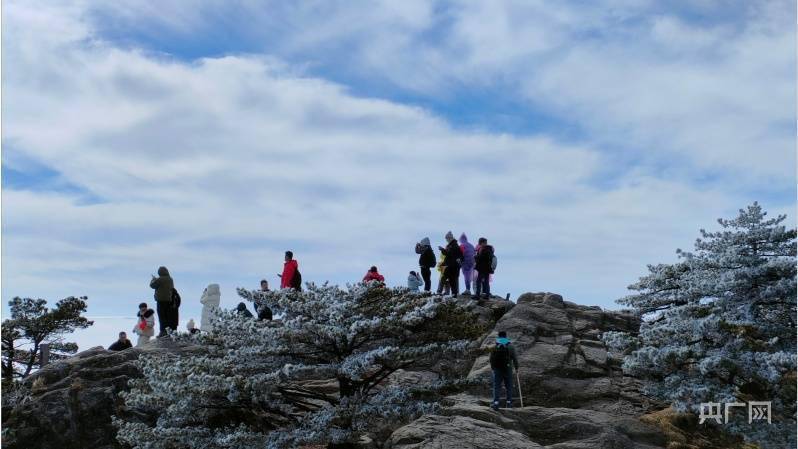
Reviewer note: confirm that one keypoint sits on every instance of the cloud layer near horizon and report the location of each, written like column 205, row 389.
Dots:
column 214, row 165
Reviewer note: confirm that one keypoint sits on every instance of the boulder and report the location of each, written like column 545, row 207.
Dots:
column 563, row 362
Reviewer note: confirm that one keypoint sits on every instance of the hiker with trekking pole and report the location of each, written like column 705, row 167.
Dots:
column 502, row 361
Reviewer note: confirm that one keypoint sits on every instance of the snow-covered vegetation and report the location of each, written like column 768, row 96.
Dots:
column 260, row 384
column 719, row 325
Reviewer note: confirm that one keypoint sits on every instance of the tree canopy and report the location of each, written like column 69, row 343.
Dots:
column 719, row 324
column 31, row 324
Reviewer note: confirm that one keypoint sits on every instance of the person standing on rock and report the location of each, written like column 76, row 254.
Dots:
column 468, row 261
column 426, row 261
column 290, row 274
column 454, row 256
column 443, row 284
column 163, row 286
column 484, row 266
column 503, row 360
column 145, row 327
column 414, row 281
column 121, row 344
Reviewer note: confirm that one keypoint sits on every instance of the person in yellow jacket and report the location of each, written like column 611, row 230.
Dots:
column 443, row 283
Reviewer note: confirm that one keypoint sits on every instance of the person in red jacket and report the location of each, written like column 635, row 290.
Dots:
column 373, row 275
column 289, row 270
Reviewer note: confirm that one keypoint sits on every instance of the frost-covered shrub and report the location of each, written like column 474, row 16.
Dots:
column 259, row 384
column 719, row 325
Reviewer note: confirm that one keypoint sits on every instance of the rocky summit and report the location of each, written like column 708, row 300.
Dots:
column 574, row 393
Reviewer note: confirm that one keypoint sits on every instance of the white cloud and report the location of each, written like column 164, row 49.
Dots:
column 215, row 167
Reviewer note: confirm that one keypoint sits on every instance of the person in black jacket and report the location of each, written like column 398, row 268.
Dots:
column 484, row 267
column 426, row 261
column 121, row 344
column 454, row 256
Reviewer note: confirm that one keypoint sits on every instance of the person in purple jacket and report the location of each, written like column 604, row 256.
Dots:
column 468, row 261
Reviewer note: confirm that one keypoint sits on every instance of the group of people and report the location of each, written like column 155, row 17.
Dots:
column 455, row 258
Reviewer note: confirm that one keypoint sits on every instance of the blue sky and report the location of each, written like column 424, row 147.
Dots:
column 584, row 139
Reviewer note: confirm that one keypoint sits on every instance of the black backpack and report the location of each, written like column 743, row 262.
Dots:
column 175, row 298
column 500, row 357
column 296, row 281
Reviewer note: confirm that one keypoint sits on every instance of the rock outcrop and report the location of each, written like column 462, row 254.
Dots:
column 469, row 422
column 563, row 363
column 575, row 395
column 72, row 400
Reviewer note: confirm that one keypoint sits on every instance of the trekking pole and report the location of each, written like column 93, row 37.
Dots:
column 520, row 395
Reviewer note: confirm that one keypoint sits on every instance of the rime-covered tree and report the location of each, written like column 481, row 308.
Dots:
column 31, row 324
column 719, row 325
column 260, row 384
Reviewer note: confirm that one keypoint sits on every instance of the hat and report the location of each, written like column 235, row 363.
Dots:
column 449, row 236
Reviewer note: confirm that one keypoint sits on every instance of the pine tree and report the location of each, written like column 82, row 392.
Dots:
column 719, row 325
column 255, row 383
column 31, row 324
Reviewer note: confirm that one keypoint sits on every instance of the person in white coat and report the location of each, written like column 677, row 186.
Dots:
column 210, row 301
column 145, row 326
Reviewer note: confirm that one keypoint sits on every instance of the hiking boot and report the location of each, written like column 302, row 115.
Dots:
column 467, row 292
column 495, row 406
column 509, row 404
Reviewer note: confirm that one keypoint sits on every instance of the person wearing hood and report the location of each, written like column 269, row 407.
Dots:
column 243, row 311
column 468, row 261
column 290, row 269
column 426, row 261
column 502, row 361
column 373, row 275
column 414, row 281
column 454, row 257
column 145, row 327
column 164, row 285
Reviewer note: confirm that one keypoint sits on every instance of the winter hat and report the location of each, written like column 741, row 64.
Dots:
column 463, row 238
column 425, row 242
column 190, row 325
column 449, row 236
column 502, row 338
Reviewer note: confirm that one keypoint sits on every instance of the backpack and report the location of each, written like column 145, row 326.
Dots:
column 500, row 357
column 493, row 263
column 175, row 298
column 296, row 281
